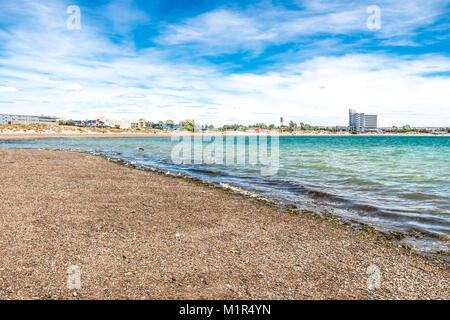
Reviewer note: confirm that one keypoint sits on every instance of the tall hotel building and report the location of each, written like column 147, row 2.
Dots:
column 362, row 122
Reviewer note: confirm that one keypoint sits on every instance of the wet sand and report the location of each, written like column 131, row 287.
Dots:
column 143, row 235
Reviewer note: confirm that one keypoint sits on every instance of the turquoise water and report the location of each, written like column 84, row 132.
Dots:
column 391, row 183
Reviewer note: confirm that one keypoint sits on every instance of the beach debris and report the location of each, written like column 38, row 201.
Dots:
column 205, row 282
column 173, row 279
column 140, row 284
column 140, row 149
column 234, row 251
column 128, row 273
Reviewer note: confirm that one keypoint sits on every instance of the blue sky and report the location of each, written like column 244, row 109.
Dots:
column 228, row 61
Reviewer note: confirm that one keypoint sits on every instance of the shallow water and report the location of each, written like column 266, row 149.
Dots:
column 391, row 183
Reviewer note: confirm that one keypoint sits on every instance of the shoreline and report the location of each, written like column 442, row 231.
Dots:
column 389, row 238
column 91, row 135
column 232, row 221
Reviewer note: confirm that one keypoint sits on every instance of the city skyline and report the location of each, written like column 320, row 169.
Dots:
column 227, row 62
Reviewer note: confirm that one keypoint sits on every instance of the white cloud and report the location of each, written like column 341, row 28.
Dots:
column 72, row 87
column 226, row 30
column 7, row 89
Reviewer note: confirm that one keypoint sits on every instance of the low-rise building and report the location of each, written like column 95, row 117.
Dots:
column 16, row 118
column 140, row 124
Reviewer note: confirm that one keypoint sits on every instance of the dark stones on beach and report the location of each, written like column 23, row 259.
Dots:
column 186, row 232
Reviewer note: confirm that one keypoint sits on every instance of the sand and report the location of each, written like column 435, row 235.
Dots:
column 142, row 235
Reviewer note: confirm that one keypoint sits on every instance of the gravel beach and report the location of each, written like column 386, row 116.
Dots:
column 142, row 235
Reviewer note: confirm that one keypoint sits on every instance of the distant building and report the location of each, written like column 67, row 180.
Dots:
column 166, row 127
column 362, row 122
column 103, row 122
column 140, row 124
column 98, row 123
column 16, row 118
column 120, row 123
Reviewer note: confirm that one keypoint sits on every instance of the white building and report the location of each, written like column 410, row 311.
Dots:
column 17, row 118
column 362, row 122
column 123, row 123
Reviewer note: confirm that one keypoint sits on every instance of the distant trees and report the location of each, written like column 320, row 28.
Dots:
column 406, row 128
column 292, row 124
column 188, row 125
column 66, row 123
column 306, row 127
column 260, row 125
column 291, row 127
column 235, row 127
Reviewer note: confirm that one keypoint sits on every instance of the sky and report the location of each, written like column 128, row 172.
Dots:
column 225, row 62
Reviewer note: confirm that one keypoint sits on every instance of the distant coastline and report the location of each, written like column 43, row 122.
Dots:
column 25, row 132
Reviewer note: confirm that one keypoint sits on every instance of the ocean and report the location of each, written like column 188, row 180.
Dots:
column 393, row 184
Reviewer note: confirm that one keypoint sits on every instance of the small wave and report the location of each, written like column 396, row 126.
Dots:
column 243, row 192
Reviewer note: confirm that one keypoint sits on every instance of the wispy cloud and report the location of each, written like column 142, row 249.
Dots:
column 226, row 30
